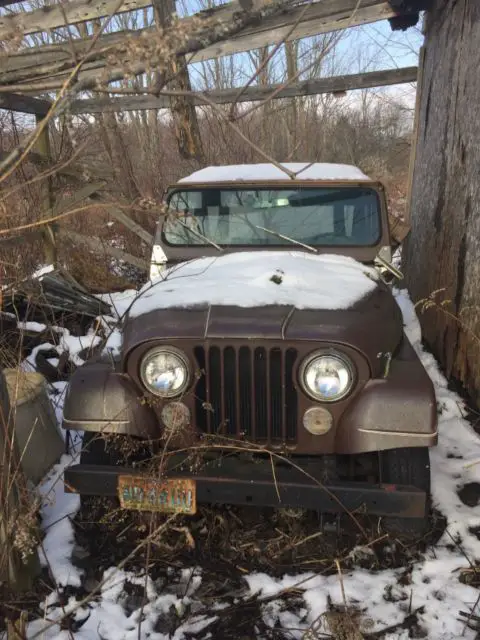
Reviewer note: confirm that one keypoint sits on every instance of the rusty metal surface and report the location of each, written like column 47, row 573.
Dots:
column 219, row 388
column 259, row 490
column 102, row 399
column 379, row 413
column 372, row 325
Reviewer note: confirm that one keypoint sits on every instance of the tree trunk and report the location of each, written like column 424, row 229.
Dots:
column 183, row 111
column 291, row 50
column 443, row 249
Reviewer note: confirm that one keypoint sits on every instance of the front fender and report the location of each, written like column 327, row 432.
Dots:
column 101, row 399
column 397, row 411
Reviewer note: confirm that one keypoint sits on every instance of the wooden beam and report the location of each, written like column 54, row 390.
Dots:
column 75, row 171
column 72, row 202
column 6, row 3
column 413, row 148
column 42, row 147
column 316, row 86
column 124, row 219
column 320, row 17
column 97, row 246
column 182, row 109
column 77, row 11
column 55, row 16
column 24, row 104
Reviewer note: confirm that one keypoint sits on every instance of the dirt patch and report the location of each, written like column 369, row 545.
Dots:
column 469, row 494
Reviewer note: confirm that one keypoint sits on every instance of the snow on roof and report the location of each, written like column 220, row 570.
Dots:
column 251, row 279
column 255, row 172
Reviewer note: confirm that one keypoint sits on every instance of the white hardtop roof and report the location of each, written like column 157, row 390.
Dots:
column 263, row 172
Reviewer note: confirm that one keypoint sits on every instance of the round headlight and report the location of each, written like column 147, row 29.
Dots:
column 165, row 372
column 327, row 376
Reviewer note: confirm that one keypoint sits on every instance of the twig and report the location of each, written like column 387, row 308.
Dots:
column 45, row 174
column 81, row 603
column 409, row 621
column 268, row 58
column 18, row 156
column 289, row 81
column 471, row 615
column 60, row 216
column 147, row 563
column 246, row 446
column 342, row 586
column 275, row 478
column 233, row 126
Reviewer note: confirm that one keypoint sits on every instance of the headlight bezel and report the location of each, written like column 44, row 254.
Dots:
column 166, row 349
column 343, row 358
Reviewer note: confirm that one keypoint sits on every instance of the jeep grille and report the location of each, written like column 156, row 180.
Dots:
column 247, row 392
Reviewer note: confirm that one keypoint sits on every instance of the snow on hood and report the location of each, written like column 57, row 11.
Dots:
column 252, row 279
column 267, row 171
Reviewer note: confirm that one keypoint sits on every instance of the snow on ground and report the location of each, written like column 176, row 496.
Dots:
column 434, row 582
column 75, row 346
column 250, row 279
column 268, row 171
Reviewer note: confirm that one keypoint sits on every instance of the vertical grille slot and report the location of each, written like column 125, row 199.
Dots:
column 229, row 390
column 201, row 409
column 291, row 401
column 260, row 392
column 247, row 392
column 214, row 374
column 246, row 395
column 276, row 394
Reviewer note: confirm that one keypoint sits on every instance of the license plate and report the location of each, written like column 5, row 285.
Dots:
column 173, row 495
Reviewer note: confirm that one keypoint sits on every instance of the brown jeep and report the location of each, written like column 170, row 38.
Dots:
column 265, row 363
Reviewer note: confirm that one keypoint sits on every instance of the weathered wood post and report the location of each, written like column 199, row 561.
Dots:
column 43, row 148
column 442, row 252
column 184, row 115
column 17, row 573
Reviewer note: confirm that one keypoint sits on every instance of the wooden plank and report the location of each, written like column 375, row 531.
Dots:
column 42, row 146
column 18, row 575
column 65, row 204
column 182, row 109
column 77, row 11
column 320, row 17
column 54, row 16
column 76, row 172
column 97, row 246
column 413, row 149
column 24, row 104
column 124, row 219
column 254, row 93
column 93, row 191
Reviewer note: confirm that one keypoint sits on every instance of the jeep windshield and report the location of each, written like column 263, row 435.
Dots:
column 273, row 216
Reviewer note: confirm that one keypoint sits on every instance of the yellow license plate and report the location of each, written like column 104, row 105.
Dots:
column 172, row 495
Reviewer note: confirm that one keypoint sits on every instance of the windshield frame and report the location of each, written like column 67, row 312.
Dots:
column 294, row 243
column 366, row 254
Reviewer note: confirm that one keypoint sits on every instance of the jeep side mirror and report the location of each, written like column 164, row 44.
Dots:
column 385, row 267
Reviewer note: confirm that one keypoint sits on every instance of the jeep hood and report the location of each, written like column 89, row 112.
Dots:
column 263, row 295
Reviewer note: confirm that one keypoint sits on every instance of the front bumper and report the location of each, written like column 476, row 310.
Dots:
column 240, row 483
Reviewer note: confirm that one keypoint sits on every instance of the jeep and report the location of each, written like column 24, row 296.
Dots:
column 265, row 362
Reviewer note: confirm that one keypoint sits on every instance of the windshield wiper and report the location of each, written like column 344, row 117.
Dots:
column 280, row 235
column 198, row 234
